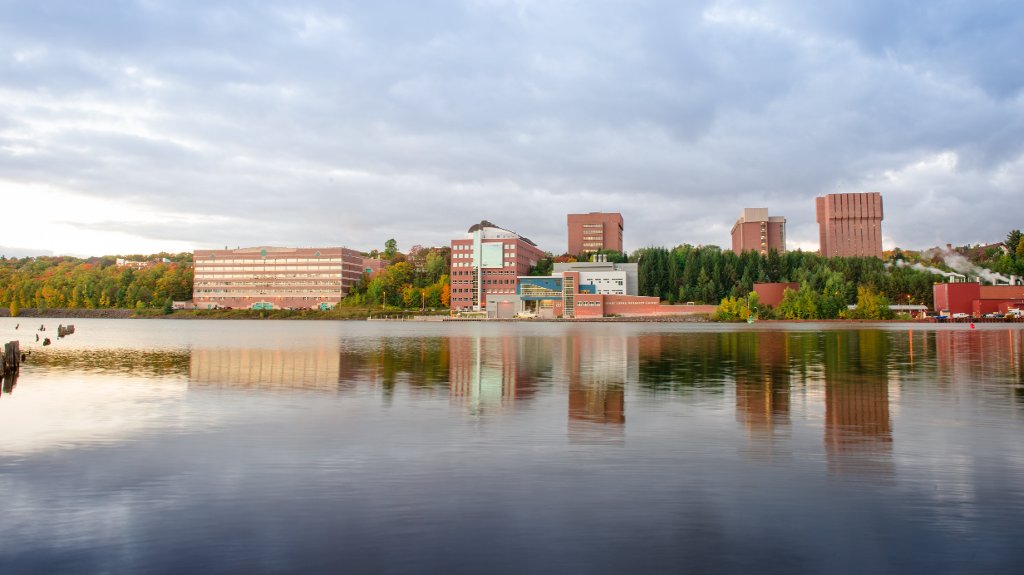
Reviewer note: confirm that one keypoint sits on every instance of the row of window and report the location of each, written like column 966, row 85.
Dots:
column 275, row 293
column 469, row 247
column 495, row 273
column 307, row 298
column 267, row 283
column 272, row 268
column 273, row 260
column 224, row 277
column 468, row 264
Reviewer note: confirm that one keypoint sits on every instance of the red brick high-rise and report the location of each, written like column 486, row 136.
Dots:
column 589, row 233
column 850, row 224
column 756, row 231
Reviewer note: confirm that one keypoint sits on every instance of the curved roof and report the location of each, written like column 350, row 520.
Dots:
column 486, row 224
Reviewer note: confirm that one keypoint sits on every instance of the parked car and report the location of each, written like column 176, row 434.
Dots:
column 961, row 315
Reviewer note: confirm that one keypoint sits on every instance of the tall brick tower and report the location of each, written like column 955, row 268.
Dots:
column 850, row 224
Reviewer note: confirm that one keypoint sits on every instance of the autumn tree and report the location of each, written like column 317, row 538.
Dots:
column 390, row 249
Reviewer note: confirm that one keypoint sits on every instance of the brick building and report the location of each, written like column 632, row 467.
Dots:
column 771, row 294
column 756, row 231
column 976, row 299
column 850, row 224
column 595, row 231
column 579, row 294
column 487, row 261
column 274, row 278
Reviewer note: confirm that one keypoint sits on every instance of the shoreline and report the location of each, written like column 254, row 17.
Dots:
column 362, row 314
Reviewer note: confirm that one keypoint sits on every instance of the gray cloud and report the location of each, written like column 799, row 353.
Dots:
column 16, row 252
column 350, row 123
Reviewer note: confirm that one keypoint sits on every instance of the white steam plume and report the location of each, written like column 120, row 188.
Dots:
column 961, row 264
column 924, row 268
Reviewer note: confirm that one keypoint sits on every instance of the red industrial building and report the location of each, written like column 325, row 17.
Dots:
column 756, row 231
column 976, row 299
column 850, row 224
column 589, row 233
column 770, row 294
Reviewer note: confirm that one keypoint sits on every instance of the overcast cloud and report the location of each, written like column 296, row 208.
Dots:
column 138, row 126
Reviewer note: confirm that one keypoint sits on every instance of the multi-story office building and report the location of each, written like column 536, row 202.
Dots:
column 850, row 224
column 756, row 231
column 595, row 231
column 274, row 278
column 487, row 261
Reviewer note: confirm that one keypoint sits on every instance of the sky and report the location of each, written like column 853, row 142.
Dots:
column 145, row 126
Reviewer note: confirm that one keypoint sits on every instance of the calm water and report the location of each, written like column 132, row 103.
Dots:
column 251, row 447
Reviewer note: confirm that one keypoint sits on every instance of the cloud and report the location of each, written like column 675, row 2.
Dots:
column 15, row 252
column 351, row 123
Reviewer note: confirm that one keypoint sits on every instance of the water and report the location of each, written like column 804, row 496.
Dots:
column 139, row 446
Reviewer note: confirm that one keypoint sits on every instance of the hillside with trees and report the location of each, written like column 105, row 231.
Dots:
column 709, row 274
column 94, row 283
column 419, row 279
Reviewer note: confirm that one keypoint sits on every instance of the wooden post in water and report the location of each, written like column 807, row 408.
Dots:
column 11, row 362
column 12, row 357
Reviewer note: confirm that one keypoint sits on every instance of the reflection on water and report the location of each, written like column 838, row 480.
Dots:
column 598, row 370
column 316, row 369
column 492, row 373
column 144, row 362
column 9, row 381
column 763, row 388
column 855, row 374
column 420, row 363
column 811, row 446
column 858, row 432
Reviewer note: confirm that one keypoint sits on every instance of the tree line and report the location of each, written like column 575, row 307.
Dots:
column 708, row 274
column 68, row 282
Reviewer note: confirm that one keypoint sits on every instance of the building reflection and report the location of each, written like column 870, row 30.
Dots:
column 416, row 362
column 488, row 374
column 311, row 368
column 598, row 370
column 858, row 427
column 491, row 373
column 985, row 359
column 763, row 385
